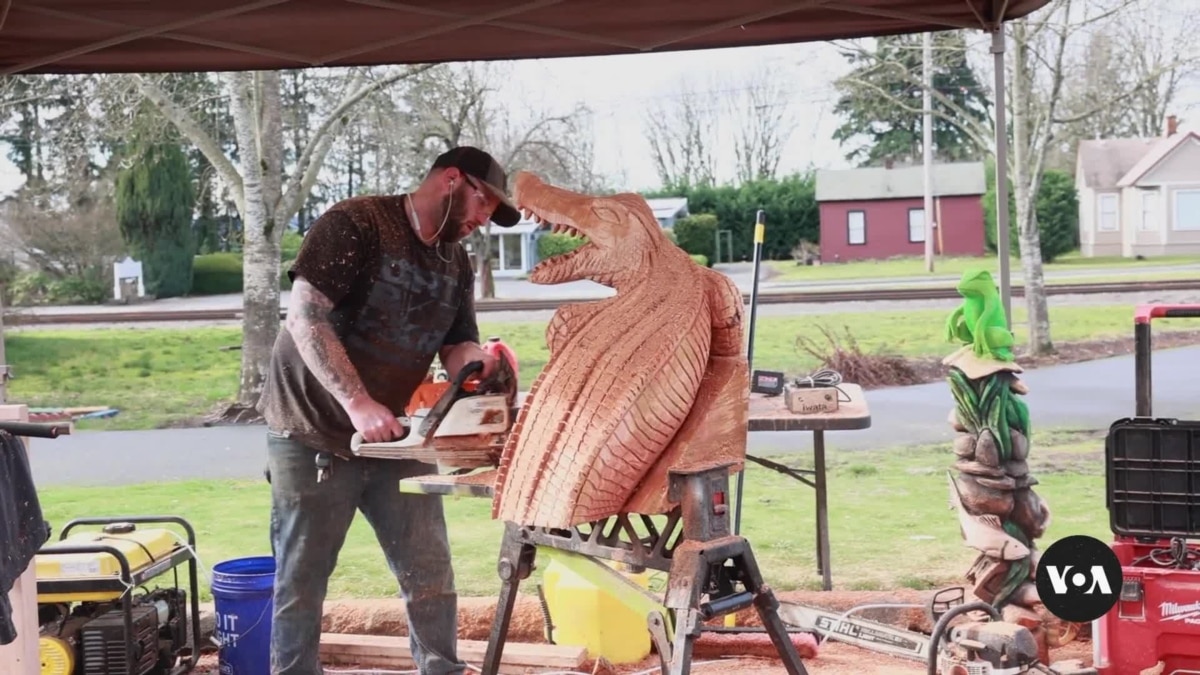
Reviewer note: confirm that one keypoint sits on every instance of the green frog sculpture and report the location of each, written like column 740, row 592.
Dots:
column 991, row 489
column 979, row 321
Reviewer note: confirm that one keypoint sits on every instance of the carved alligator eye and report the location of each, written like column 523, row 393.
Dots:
column 606, row 214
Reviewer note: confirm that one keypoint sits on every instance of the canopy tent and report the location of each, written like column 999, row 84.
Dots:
column 38, row 36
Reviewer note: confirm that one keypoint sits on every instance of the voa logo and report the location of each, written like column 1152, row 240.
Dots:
column 1078, row 578
column 1095, row 580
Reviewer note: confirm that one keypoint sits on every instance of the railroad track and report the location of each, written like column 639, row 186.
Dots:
column 18, row 317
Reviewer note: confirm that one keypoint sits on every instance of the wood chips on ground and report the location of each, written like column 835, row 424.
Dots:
column 385, row 616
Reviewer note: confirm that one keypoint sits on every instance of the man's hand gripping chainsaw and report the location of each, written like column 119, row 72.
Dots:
column 465, row 427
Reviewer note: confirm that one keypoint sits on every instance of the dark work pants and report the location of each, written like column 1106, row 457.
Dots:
column 309, row 521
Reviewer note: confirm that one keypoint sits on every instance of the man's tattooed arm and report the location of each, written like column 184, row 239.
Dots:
column 318, row 343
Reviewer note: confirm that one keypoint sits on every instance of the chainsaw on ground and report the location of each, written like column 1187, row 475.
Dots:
column 460, row 423
column 988, row 646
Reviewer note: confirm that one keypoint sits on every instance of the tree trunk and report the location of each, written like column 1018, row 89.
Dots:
column 1025, row 187
column 487, row 287
column 256, row 115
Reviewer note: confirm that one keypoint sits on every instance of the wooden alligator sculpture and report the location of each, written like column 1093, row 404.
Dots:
column 648, row 380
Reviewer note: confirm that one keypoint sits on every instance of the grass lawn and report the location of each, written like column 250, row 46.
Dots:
column 786, row 270
column 156, row 376
column 890, row 525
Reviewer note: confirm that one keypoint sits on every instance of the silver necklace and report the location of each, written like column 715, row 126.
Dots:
column 437, row 244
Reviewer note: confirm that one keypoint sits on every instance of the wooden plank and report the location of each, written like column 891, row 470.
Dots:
column 21, row 656
column 368, row 650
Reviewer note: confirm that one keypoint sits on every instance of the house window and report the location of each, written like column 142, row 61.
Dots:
column 512, row 256
column 1187, row 210
column 1149, row 211
column 856, row 228
column 1106, row 213
column 916, row 225
column 508, row 253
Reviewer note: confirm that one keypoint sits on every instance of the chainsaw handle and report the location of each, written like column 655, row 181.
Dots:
column 432, row 421
column 357, row 440
column 943, row 624
column 465, row 372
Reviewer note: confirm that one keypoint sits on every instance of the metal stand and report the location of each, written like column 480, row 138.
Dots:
column 818, row 483
column 706, row 560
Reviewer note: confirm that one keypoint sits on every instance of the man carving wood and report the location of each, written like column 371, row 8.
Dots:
column 381, row 285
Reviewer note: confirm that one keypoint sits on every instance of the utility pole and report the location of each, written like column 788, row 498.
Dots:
column 927, row 114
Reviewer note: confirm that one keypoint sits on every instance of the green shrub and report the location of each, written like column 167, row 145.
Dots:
column 789, row 203
column 290, row 245
column 697, row 234
column 1058, row 215
column 700, row 260
column 217, row 274
column 221, row 273
column 550, row 245
column 1057, row 208
column 38, row 288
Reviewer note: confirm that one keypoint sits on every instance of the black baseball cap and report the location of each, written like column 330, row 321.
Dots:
column 482, row 166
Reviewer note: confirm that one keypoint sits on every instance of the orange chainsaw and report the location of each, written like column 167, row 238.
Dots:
column 461, row 423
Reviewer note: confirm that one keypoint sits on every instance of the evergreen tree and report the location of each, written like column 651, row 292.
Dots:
column 155, row 200
column 880, row 100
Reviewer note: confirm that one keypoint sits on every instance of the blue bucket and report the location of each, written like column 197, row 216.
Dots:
column 242, row 591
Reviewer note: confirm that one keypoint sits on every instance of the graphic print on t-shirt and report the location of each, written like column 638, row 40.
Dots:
column 406, row 313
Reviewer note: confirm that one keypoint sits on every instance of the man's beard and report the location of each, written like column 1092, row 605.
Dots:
column 451, row 232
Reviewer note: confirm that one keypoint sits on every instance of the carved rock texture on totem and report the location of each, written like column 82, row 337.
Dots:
column 650, row 379
column 999, row 513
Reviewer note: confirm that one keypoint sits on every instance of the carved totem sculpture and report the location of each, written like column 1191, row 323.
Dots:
column 999, row 513
column 651, row 379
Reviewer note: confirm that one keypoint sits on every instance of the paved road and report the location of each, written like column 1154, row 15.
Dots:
column 1084, row 395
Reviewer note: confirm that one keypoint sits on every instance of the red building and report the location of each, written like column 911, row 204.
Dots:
column 878, row 212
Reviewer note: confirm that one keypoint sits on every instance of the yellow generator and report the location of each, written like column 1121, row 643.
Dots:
column 97, row 615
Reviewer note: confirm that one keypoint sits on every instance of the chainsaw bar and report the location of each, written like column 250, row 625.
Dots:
column 862, row 633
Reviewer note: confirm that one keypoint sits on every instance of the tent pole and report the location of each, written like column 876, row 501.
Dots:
column 1002, row 218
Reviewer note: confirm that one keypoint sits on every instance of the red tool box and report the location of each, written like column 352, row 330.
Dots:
column 1153, row 500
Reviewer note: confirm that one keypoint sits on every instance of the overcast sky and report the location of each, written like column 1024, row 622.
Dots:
column 621, row 88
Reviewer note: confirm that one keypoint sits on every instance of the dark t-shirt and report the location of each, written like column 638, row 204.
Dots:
column 396, row 303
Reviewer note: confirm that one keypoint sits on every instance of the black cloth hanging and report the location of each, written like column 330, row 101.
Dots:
column 22, row 528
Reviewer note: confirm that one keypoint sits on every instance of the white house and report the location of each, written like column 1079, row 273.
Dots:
column 1139, row 196
column 667, row 210
column 514, row 249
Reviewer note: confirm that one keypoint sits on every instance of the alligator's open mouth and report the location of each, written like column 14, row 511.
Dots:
column 558, row 260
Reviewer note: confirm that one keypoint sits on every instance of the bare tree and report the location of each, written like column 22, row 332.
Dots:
column 266, row 195
column 681, row 130
column 1146, row 59
column 458, row 104
column 66, row 229
column 1160, row 52
column 761, row 114
column 1040, row 55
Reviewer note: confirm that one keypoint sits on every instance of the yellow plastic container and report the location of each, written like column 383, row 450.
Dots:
column 137, row 546
column 589, row 610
